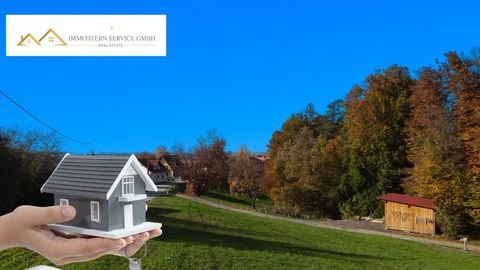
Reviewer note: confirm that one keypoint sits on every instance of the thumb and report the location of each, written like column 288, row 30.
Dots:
column 35, row 216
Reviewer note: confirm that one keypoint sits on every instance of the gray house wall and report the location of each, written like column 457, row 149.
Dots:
column 115, row 208
column 115, row 217
column 82, row 205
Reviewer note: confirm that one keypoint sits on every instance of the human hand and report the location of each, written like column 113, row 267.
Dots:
column 138, row 241
column 26, row 227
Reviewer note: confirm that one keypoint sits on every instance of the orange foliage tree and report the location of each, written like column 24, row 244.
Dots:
column 435, row 151
column 244, row 178
column 463, row 80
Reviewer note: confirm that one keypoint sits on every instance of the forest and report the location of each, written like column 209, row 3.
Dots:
column 397, row 132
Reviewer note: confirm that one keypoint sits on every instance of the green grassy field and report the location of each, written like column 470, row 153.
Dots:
column 237, row 201
column 202, row 237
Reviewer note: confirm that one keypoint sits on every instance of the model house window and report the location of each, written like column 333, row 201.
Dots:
column 51, row 39
column 95, row 211
column 63, row 202
column 127, row 185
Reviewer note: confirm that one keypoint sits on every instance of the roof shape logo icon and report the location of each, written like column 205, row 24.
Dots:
column 50, row 37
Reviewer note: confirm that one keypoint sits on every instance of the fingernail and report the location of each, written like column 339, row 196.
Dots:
column 68, row 211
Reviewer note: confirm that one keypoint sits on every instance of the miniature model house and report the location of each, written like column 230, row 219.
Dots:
column 108, row 193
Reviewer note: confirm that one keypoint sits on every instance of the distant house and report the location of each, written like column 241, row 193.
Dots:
column 164, row 169
column 408, row 213
column 156, row 170
column 170, row 162
column 259, row 162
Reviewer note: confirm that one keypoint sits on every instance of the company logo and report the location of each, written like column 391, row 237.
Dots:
column 86, row 35
column 50, row 38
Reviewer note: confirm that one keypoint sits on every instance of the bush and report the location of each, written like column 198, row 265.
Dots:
column 450, row 219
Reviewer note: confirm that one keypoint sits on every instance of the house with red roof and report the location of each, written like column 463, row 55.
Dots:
column 409, row 213
column 259, row 162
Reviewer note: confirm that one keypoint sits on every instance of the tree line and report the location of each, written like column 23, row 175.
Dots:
column 27, row 159
column 208, row 166
column 418, row 135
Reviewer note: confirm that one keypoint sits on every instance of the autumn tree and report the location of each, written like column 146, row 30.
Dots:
column 463, row 82
column 279, row 147
column 435, row 151
column 292, row 190
column 375, row 119
column 161, row 151
column 268, row 180
column 207, row 167
column 244, row 178
column 145, row 155
column 302, row 183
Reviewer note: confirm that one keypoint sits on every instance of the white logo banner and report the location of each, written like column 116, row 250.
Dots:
column 86, row 35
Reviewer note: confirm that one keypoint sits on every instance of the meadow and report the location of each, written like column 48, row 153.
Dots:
column 203, row 237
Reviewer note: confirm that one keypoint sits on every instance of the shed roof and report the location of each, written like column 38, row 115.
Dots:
column 409, row 200
column 92, row 176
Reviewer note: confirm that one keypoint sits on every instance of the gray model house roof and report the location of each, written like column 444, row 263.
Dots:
column 94, row 176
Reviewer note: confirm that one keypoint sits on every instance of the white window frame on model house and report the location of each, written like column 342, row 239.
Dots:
column 128, row 185
column 63, row 202
column 95, row 211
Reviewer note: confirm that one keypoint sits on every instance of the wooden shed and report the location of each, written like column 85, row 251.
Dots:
column 408, row 213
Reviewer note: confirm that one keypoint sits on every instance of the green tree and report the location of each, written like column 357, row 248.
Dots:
column 26, row 161
column 375, row 145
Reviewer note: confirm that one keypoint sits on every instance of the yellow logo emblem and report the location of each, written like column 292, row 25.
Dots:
column 49, row 38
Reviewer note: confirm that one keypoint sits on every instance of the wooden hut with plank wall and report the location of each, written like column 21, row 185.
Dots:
column 408, row 213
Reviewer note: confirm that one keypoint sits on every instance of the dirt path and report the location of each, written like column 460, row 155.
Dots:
column 364, row 227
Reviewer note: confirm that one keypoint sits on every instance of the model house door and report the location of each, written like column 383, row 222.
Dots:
column 128, row 215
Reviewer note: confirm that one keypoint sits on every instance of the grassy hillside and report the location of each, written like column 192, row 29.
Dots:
column 202, row 237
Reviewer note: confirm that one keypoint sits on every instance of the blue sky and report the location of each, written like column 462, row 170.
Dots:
column 240, row 67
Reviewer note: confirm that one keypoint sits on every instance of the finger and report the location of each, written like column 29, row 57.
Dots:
column 84, row 247
column 34, row 216
column 133, row 247
column 74, row 259
column 154, row 233
column 143, row 238
column 132, row 237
